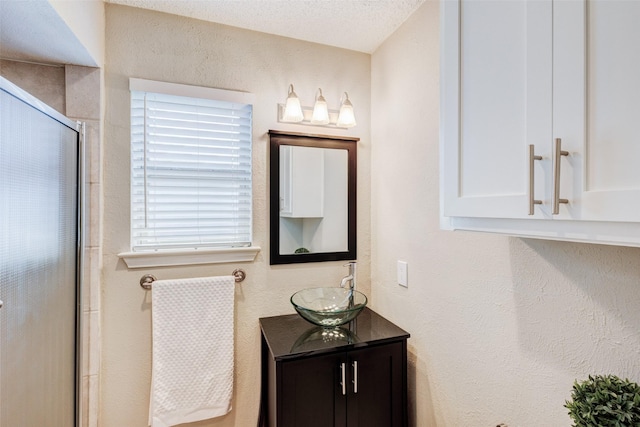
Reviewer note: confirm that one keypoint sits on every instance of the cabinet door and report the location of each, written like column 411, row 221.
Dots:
column 596, row 108
column 302, row 181
column 311, row 392
column 496, row 100
column 377, row 387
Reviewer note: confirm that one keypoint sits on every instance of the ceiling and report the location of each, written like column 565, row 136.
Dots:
column 32, row 30
column 360, row 25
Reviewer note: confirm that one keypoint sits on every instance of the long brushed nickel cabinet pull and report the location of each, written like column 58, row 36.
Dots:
column 355, row 376
column 556, row 177
column 532, row 199
column 343, row 378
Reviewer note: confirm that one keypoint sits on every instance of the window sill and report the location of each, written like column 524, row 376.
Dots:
column 189, row 257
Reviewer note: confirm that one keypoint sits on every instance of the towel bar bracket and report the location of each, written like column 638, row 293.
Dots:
column 239, row 274
column 147, row 280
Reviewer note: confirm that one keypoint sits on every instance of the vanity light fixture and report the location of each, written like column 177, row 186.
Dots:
column 320, row 114
column 292, row 110
column 346, row 118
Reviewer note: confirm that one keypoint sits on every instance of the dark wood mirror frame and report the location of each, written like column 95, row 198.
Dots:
column 278, row 138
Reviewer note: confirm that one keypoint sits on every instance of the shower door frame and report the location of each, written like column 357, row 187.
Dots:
column 79, row 128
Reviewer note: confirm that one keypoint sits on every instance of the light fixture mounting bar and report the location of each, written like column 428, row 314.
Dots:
column 308, row 113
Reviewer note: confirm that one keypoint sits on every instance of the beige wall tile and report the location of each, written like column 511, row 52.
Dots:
column 45, row 82
column 82, row 92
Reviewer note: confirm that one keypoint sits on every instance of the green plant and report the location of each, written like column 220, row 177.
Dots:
column 603, row 401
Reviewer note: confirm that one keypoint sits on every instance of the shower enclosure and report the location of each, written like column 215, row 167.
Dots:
column 40, row 257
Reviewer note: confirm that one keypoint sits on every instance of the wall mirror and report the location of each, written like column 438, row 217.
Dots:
column 313, row 198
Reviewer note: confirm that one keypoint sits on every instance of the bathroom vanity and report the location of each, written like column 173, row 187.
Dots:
column 355, row 375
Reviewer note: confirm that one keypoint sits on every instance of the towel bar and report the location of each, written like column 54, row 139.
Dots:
column 147, row 280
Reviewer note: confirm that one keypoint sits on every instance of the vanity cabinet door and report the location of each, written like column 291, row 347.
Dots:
column 496, row 101
column 310, row 393
column 377, row 388
column 356, row 388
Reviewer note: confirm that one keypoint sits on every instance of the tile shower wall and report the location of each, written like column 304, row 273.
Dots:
column 83, row 104
column 75, row 92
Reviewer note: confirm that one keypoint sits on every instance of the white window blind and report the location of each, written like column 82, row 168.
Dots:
column 190, row 172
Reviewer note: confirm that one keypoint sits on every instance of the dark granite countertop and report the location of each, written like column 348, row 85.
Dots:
column 291, row 336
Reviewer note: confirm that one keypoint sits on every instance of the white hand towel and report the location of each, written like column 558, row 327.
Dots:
column 192, row 372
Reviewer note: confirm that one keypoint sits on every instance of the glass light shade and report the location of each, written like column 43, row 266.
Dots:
column 320, row 114
column 292, row 109
column 346, row 118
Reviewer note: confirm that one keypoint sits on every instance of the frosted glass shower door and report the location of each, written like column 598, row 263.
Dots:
column 38, row 263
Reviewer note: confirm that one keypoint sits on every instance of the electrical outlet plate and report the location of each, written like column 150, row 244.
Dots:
column 403, row 274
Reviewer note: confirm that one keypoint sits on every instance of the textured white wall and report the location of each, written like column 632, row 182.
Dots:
column 500, row 326
column 163, row 47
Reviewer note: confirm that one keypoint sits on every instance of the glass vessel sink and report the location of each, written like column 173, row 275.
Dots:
column 328, row 307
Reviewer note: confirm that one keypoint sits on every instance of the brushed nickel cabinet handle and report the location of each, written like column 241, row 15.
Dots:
column 343, row 377
column 532, row 199
column 556, row 176
column 355, row 377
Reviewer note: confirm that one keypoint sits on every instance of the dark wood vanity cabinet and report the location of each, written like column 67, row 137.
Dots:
column 355, row 376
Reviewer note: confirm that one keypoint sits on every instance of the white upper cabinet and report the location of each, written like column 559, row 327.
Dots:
column 301, row 182
column 496, row 100
column 597, row 106
column 521, row 77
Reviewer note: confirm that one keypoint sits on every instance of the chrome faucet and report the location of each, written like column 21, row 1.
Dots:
column 351, row 277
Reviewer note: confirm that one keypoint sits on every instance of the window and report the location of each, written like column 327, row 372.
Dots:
column 190, row 167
